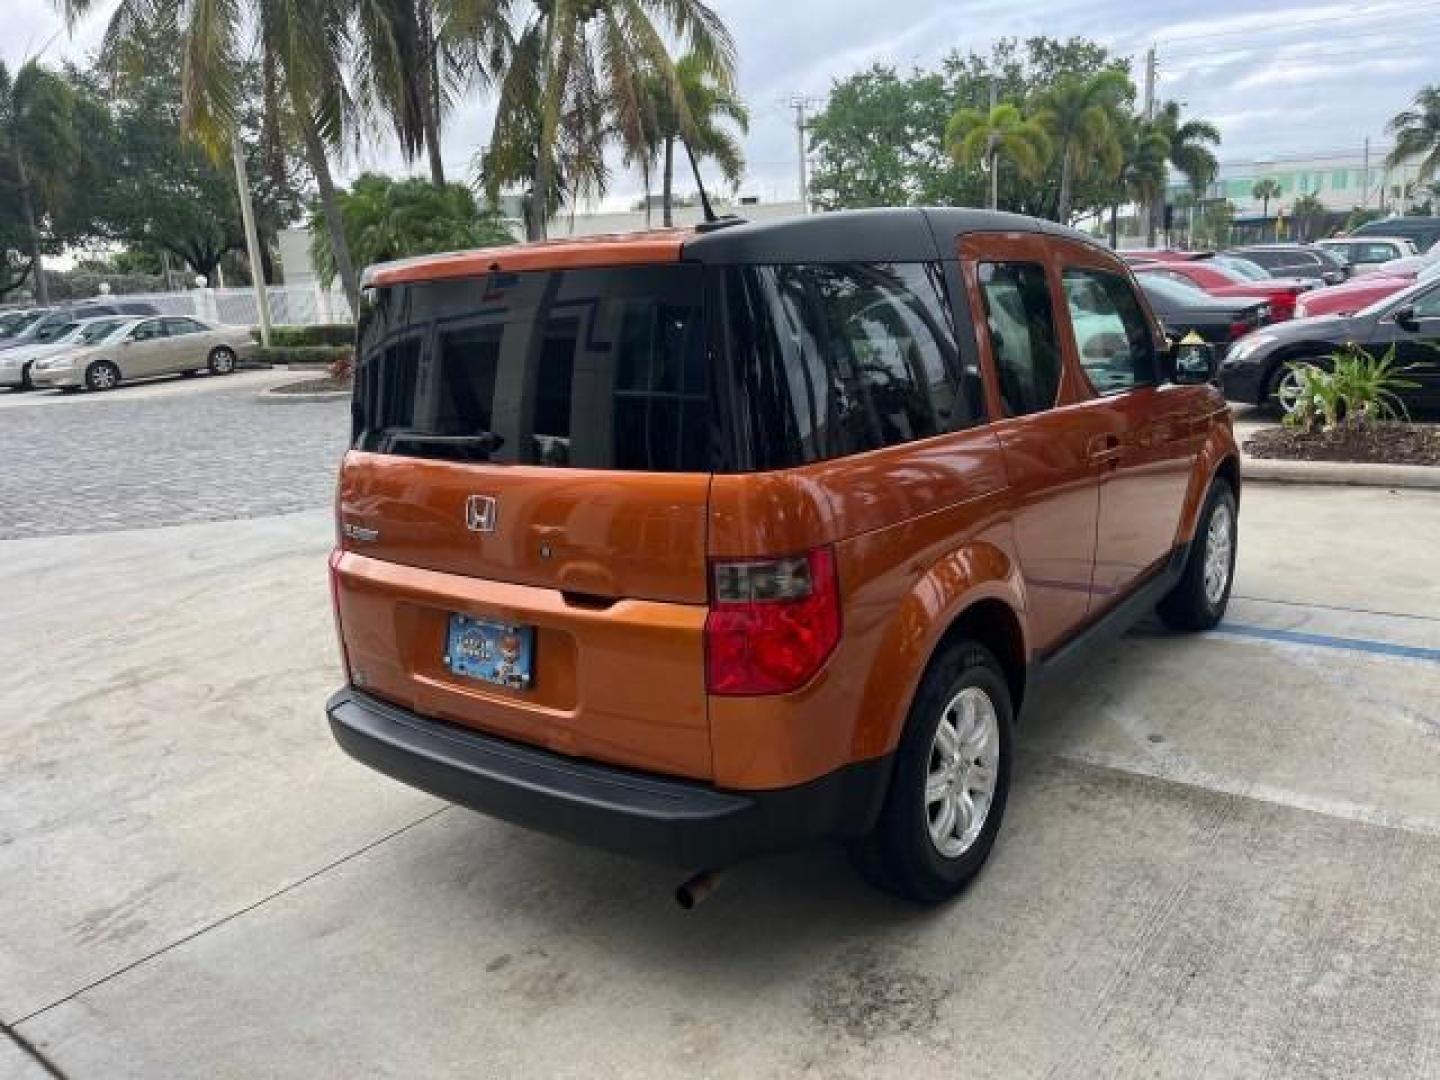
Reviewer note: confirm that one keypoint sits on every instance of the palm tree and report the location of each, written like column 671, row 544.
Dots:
column 1141, row 180
column 1079, row 115
column 978, row 137
column 1190, row 153
column 38, row 134
column 1417, row 134
column 700, row 126
column 575, row 80
column 302, row 43
column 1265, row 189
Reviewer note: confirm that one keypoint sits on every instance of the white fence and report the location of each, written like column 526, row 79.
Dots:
column 290, row 305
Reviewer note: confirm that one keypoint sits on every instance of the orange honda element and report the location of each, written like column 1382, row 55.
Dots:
column 704, row 543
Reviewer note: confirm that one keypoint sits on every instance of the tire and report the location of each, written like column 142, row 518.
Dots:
column 1274, row 399
column 102, row 375
column 964, row 687
column 221, row 360
column 1198, row 600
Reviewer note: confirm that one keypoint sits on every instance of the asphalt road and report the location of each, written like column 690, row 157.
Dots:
column 1221, row 857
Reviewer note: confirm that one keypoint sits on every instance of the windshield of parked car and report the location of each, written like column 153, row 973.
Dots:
column 99, row 331
column 1173, row 291
column 20, row 321
column 1241, row 268
column 53, row 332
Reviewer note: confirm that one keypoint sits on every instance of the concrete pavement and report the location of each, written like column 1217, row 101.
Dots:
column 1221, row 856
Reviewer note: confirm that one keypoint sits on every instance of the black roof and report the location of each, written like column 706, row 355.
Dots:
column 918, row 234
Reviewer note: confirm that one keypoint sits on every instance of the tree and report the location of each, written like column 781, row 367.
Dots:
column 1217, row 221
column 301, row 52
column 701, row 126
column 1309, row 215
column 1265, row 189
column 1417, row 134
column 386, row 219
column 867, row 142
column 1144, row 148
column 985, row 138
column 41, row 145
column 1081, row 117
column 1190, row 153
column 575, row 80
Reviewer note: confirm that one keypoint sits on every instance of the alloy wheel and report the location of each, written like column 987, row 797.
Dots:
column 964, row 766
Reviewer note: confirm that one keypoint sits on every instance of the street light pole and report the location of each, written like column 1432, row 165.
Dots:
column 252, row 239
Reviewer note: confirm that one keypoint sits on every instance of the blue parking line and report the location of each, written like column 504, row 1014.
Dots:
column 1326, row 641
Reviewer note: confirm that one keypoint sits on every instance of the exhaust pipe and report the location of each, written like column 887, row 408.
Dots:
column 692, row 892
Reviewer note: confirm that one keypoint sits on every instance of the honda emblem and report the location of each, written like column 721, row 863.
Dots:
column 481, row 513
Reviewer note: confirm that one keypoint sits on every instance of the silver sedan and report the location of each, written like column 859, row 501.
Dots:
column 141, row 348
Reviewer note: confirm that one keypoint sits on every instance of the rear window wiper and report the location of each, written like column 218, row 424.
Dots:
column 479, row 445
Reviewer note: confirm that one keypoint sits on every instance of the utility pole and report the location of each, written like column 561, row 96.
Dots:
column 252, row 239
column 799, row 103
column 993, row 156
column 1149, row 208
column 1365, row 178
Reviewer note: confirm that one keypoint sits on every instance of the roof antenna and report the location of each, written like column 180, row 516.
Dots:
column 712, row 220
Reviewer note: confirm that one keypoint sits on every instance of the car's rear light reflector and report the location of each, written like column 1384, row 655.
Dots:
column 772, row 622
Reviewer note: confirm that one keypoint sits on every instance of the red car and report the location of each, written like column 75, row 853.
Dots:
column 1350, row 296
column 1217, row 280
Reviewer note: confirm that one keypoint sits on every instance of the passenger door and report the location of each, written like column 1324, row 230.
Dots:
column 1048, row 449
column 187, row 345
column 1152, row 431
column 1416, row 348
column 143, row 350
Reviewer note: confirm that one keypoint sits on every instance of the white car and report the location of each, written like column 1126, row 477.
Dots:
column 1366, row 254
column 141, row 348
column 17, row 364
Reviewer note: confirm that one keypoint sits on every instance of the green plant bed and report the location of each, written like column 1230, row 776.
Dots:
column 291, row 337
column 320, row 355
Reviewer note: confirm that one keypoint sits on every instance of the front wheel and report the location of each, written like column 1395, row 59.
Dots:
column 1198, row 600
column 102, row 375
column 222, row 361
column 950, row 783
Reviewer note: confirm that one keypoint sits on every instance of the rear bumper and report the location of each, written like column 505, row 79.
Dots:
column 683, row 823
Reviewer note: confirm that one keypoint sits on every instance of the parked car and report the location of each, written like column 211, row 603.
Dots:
column 1148, row 255
column 1183, row 308
column 1423, row 231
column 1366, row 254
column 70, row 313
column 712, row 543
column 173, row 345
column 1214, row 279
column 17, row 364
column 16, row 323
column 1296, row 260
column 1350, row 296
column 1257, row 370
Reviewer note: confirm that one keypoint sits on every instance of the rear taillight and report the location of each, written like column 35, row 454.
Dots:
column 772, row 622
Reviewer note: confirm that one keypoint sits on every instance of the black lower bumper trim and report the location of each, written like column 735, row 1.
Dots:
column 684, row 823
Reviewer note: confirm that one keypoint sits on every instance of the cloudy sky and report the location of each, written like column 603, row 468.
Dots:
column 1280, row 77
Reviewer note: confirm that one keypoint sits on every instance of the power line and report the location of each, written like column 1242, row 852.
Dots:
column 1301, row 24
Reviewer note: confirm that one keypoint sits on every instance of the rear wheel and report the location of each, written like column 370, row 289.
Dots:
column 1284, row 386
column 1199, row 599
column 102, row 375
column 951, row 779
column 222, row 360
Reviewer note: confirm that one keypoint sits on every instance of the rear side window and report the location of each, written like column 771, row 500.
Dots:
column 1021, row 326
column 836, row 359
column 1112, row 332
column 595, row 368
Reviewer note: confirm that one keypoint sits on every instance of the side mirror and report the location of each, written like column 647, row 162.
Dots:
column 1193, row 361
column 1405, row 318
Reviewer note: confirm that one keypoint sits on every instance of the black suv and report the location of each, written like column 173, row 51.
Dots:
column 1296, row 260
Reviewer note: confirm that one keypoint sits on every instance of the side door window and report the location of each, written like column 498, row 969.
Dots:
column 181, row 327
column 1113, row 336
column 1020, row 322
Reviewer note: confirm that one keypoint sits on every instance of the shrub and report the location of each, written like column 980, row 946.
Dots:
column 1358, row 388
column 302, row 354
column 291, row 337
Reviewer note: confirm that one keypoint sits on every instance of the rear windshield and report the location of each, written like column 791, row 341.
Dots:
column 627, row 368
column 601, row 369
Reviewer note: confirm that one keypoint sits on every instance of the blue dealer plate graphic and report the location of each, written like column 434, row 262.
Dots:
column 491, row 652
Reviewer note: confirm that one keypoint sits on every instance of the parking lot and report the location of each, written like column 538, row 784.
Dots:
column 1222, row 855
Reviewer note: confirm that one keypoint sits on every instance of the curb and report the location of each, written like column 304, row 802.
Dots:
column 1340, row 473
column 274, row 394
